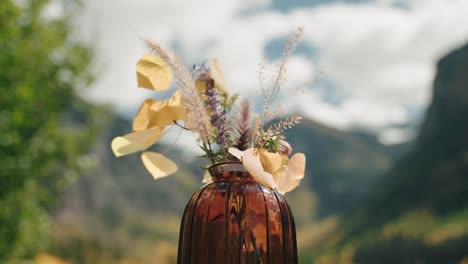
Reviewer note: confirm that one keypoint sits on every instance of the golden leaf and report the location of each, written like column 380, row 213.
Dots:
column 201, row 86
column 206, row 177
column 176, row 102
column 142, row 119
column 158, row 165
column 271, row 161
column 290, row 177
column 252, row 163
column 153, row 73
column 136, row 141
column 154, row 113
column 217, row 74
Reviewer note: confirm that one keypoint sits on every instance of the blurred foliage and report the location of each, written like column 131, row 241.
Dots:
column 136, row 239
column 45, row 129
column 117, row 213
column 420, row 236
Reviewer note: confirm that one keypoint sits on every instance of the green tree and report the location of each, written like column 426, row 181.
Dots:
column 45, row 129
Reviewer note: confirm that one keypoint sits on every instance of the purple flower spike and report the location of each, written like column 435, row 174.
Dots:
column 218, row 118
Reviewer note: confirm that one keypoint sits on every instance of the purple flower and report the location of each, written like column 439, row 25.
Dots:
column 218, row 117
column 285, row 148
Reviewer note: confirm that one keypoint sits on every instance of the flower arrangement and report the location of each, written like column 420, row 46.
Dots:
column 226, row 130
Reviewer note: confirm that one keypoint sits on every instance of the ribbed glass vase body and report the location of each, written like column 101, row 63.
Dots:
column 234, row 219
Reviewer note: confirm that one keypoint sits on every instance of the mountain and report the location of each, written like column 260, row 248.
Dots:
column 341, row 166
column 418, row 212
column 438, row 163
column 118, row 211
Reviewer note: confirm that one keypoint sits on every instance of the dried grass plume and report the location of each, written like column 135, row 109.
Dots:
column 197, row 114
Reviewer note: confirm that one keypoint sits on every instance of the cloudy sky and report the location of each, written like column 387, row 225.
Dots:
column 361, row 63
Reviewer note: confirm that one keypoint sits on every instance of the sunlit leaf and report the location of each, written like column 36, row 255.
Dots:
column 290, row 177
column 176, row 102
column 163, row 113
column 136, row 141
column 153, row 73
column 217, row 74
column 271, row 161
column 158, row 165
column 154, row 113
column 201, row 86
column 142, row 119
column 251, row 162
column 206, row 177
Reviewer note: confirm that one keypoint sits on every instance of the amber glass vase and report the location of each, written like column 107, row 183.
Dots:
column 234, row 219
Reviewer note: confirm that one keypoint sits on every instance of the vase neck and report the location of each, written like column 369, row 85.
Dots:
column 230, row 171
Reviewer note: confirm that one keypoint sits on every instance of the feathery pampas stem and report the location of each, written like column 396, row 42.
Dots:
column 270, row 94
column 192, row 98
column 281, row 74
column 286, row 124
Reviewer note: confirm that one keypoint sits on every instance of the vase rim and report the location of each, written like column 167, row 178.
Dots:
column 229, row 171
column 224, row 163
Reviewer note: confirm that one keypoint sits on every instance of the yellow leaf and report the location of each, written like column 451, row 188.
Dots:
column 284, row 160
column 163, row 113
column 142, row 119
column 290, row 177
column 206, row 177
column 153, row 73
column 176, row 103
column 158, row 165
column 159, row 113
column 271, row 161
column 201, row 86
column 252, row 164
column 217, row 74
column 136, row 141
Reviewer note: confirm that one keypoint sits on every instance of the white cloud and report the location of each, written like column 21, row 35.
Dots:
column 395, row 136
column 381, row 57
column 309, row 103
column 382, row 53
column 377, row 115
